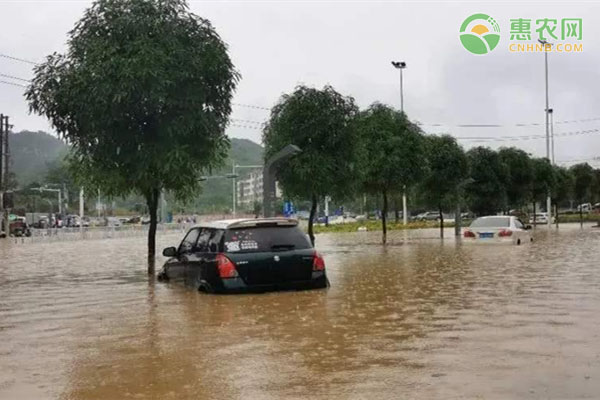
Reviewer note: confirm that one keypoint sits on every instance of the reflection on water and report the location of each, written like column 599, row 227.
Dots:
column 416, row 319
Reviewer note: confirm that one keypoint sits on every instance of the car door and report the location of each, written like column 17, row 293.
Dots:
column 175, row 268
column 201, row 266
column 195, row 260
column 520, row 231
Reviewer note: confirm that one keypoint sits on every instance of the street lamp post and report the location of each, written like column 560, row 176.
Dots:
column 400, row 65
column 547, row 111
column 234, row 176
column 551, row 111
column 269, row 172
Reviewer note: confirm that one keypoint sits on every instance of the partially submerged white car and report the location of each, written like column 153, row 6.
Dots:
column 498, row 228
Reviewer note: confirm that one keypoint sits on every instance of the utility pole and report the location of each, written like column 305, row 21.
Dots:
column 400, row 65
column 4, row 128
column 547, row 111
column 233, row 188
column 81, row 211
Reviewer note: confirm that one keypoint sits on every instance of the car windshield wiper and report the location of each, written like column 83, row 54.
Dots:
column 282, row 247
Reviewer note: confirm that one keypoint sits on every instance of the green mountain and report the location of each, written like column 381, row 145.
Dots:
column 217, row 194
column 33, row 154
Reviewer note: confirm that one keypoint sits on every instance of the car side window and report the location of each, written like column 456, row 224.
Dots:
column 204, row 237
column 189, row 241
column 519, row 224
column 214, row 243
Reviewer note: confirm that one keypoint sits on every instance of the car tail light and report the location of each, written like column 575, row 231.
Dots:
column 318, row 262
column 226, row 267
column 505, row 233
column 469, row 234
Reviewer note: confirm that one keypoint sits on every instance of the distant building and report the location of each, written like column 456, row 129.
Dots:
column 250, row 190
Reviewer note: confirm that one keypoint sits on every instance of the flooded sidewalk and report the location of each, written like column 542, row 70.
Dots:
column 419, row 318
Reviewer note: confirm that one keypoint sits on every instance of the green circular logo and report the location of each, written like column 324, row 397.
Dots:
column 479, row 34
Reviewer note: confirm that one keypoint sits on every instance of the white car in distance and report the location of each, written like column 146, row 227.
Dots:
column 498, row 228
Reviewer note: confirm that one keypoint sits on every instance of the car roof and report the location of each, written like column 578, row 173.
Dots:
column 246, row 223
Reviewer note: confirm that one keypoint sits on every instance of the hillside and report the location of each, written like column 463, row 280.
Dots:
column 32, row 152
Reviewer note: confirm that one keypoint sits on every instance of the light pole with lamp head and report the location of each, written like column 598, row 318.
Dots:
column 400, row 65
column 547, row 46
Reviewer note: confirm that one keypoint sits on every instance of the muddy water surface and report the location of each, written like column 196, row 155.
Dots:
column 416, row 319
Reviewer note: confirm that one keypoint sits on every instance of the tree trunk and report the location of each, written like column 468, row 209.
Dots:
column 556, row 214
column 396, row 211
column 441, row 222
column 457, row 220
column 581, row 213
column 152, row 202
column 534, row 214
column 384, row 217
column 313, row 211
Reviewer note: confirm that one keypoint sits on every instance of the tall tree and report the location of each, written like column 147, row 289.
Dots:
column 320, row 123
column 542, row 183
column 487, row 191
column 563, row 188
column 143, row 94
column 448, row 171
column 393, row 153
column 583, row 176
column 520, row 175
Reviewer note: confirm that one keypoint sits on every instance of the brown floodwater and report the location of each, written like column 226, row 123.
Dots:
column 419, row 318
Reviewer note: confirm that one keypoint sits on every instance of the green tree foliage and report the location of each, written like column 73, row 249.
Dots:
column 143, row 95
column 543, row 179
column 596, row 186
column 320, row 123
column 520, row 176
column 448, row 171
column 394, row 153
column 563, row 185
column 487, row 191
column 583, row 177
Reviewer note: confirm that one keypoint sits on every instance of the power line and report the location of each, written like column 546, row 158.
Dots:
column 13, row 84
column 15, row 77
column 251, row 106
column 524, row 137
column 17, row 59
column 247, row 121
column 519, row 125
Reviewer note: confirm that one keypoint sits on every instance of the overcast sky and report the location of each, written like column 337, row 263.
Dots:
column 349, row 45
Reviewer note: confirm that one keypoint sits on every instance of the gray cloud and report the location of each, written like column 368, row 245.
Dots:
column 278, row 45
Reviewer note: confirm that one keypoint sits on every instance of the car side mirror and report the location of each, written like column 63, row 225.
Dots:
column 170, row 252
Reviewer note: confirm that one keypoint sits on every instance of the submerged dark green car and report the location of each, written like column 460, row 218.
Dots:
column 246, row 255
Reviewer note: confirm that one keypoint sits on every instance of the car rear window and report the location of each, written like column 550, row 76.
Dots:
column 260, row 239
column 491, row 222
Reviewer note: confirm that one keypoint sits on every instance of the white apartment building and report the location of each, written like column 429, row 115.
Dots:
column 250, row 189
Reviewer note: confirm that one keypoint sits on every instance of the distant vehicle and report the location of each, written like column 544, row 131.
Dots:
column 17, row 227
column 467, row 215
column 303, row 214
column 585, row 207
column 540, row 218
column 133, row 220
column 427, row 216
column 498, row 228
column 113, row 222
column 247, row 255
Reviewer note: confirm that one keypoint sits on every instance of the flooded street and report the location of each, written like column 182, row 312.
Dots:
column 419, row 318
